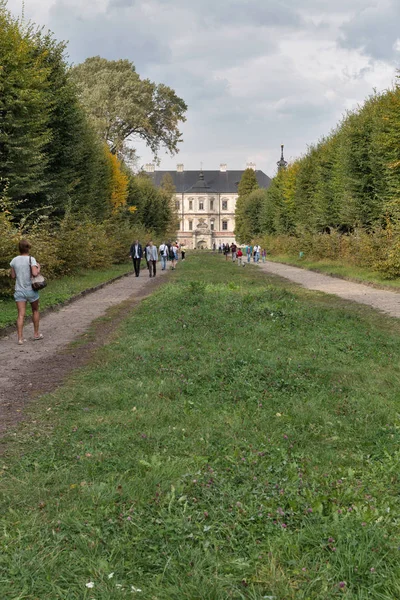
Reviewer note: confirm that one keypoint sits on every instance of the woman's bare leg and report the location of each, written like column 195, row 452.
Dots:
column 21, row 307
column 35, row 317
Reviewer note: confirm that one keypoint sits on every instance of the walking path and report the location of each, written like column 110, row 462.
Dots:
column 385, row 301
column 39, row 366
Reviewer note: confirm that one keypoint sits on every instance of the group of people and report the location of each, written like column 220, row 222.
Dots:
column 241, row 254
column 167, row 252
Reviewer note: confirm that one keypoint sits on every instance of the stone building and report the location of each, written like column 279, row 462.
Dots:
column 206, row 203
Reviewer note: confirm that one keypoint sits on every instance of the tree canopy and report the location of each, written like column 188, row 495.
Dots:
column 123, row 107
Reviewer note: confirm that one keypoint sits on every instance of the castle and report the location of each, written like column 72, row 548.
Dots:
column 206, row 203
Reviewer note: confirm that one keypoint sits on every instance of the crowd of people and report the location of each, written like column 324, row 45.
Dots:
column 168, row 252
column 243, row 254
column 25, row 270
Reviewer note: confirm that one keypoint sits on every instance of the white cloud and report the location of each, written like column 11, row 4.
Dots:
column 254, row 74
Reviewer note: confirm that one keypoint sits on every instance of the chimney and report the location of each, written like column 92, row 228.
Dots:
column 223, row 167
column 149, row 168
column 179, row 168
column 251, row 165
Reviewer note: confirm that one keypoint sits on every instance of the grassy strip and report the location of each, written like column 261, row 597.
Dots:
column 63, row 289
column 239, row 439
column 331, row 267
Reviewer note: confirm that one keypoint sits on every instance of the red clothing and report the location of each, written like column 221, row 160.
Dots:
column 239, row 253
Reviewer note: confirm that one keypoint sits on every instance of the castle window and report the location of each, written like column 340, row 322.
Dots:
column 177, row 205
column 201, row 204
column 224, row 204
column 190, row 225
column 212, row 225
column 212, row 204
column 190, row 204
column 224, row 225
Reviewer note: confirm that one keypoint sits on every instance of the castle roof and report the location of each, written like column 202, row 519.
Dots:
column 213, row 182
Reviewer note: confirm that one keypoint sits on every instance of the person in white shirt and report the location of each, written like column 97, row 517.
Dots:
column 22, row 268
column 163, row 249
column 152, row 257
column 257, row 250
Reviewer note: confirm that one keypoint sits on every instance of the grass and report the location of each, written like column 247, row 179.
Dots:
column 63, row 289
column 238, row 439
column 332, row 267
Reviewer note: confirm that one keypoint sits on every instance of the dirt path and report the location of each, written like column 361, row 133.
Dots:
column 37, row 367
column 385, row 301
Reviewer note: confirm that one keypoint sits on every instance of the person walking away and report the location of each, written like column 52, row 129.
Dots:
column 136, row 254
column 172, row 257
column 263, row 255
column 163, row 249
column 23, row 267
column 176, row 252
column 220, row 249
column 226, row 251
column 249, row 252
column 233, row 250
column 257, row 250
column 240, row 257
column 152, row 257
column 183, row 253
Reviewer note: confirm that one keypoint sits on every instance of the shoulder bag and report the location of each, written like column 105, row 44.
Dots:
column 38, row 282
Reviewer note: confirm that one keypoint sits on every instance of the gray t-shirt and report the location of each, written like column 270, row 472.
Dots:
column 20, row 264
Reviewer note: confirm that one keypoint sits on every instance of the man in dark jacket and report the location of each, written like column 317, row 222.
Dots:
column 136, row 253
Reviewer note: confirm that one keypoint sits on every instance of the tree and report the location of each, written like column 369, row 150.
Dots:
column 24, row 110
column 123, row 107
column 247, row 184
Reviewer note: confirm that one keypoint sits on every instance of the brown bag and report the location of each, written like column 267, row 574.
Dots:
column 38, row 281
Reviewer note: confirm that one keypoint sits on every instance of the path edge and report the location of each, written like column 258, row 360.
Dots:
column 377, row 286
column 8, row 329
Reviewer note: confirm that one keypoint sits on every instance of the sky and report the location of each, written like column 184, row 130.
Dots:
column 254, row 73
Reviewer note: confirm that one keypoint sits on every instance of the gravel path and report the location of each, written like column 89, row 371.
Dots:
column 37, row 367
column 385, row 301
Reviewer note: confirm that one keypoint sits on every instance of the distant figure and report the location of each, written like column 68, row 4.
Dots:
column 256, row 251
column 145, row 255
column 226, row 251
column 152, row 257
column 163, row 249
column 172, row 256
column 233, row 250
column 220, row 249
column 240, row 257
column 214, row 247
column 22, row 268
column 263, row 255
column 183, row 253
column 136, row 254
column 249, row 251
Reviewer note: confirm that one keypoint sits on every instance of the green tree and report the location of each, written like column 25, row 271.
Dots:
column 24, row 110
column 123, row 107
column 247, row 185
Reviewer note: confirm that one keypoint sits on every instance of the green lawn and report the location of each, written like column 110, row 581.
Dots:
column 332, row 267
column 238, row 439
column 63, row 289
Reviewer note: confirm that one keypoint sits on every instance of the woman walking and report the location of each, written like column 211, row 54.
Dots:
column 172, row 256
column 22, row 268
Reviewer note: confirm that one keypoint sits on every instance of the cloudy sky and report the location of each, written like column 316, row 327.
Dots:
column 254, row 73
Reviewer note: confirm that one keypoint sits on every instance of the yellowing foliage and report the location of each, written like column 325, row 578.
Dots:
column 119, row 184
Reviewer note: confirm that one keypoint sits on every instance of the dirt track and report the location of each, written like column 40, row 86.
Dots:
column 385, row 301
column 38, row 367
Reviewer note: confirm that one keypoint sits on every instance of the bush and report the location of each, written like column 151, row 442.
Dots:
column 378, row 250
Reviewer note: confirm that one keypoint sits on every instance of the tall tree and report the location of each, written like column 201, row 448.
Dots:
column 247, row 185
column 24, row 110
column 125, row 108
